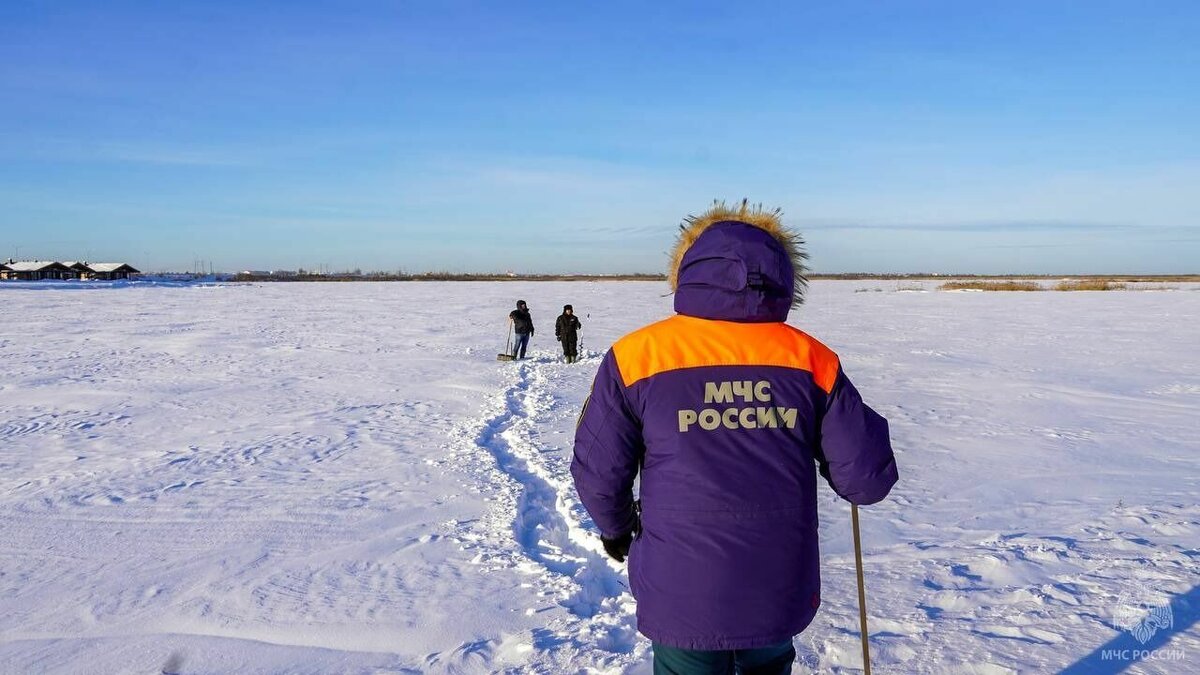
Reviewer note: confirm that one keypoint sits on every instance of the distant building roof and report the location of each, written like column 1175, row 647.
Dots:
column 111, row 267
column 32, row 265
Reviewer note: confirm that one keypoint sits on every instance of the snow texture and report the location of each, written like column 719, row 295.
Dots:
column 315, row 478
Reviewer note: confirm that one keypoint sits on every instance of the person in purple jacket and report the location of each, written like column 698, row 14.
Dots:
column 727, row 414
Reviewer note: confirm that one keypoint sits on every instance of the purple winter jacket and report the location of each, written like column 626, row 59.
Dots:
column 727, row 413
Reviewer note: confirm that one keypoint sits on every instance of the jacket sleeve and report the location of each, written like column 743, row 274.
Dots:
column 608, row 452
column 855, row 453
column 558, row 326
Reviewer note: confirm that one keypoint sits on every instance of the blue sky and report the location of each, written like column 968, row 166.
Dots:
column 897, row 136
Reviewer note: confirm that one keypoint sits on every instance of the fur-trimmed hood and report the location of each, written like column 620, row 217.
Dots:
column 738, row 263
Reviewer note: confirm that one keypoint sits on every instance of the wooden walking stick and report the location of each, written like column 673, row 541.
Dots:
column 862, row 591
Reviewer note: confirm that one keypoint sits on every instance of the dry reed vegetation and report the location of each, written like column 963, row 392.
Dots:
column 1014, row 285
column 1008, row 285
column 1089, row 285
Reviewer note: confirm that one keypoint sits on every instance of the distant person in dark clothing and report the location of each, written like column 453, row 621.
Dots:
column 566, row 329
column 523, row 328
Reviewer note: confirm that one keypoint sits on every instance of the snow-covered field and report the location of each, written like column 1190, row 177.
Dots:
column 316, row 478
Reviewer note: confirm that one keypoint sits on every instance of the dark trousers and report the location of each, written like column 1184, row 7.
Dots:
column 570, row 348
column 519, row 345
column 773, row 660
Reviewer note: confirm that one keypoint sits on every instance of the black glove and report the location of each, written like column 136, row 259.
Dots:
column 617, row 548
column 558, row 337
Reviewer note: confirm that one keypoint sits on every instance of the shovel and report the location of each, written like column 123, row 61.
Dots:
column 507, row 355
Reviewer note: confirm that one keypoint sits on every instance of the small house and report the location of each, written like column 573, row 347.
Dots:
column 79, row 270
column 111, row 271
column 36, row 270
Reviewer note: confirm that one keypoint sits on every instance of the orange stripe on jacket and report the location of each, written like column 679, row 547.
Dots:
column 689, row 342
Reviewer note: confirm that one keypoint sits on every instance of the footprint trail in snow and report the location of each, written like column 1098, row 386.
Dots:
column 538, row 525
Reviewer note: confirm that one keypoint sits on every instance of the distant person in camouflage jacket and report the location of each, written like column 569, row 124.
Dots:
column 566, row 329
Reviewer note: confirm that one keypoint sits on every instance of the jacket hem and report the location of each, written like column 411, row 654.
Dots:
column 723, row 643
